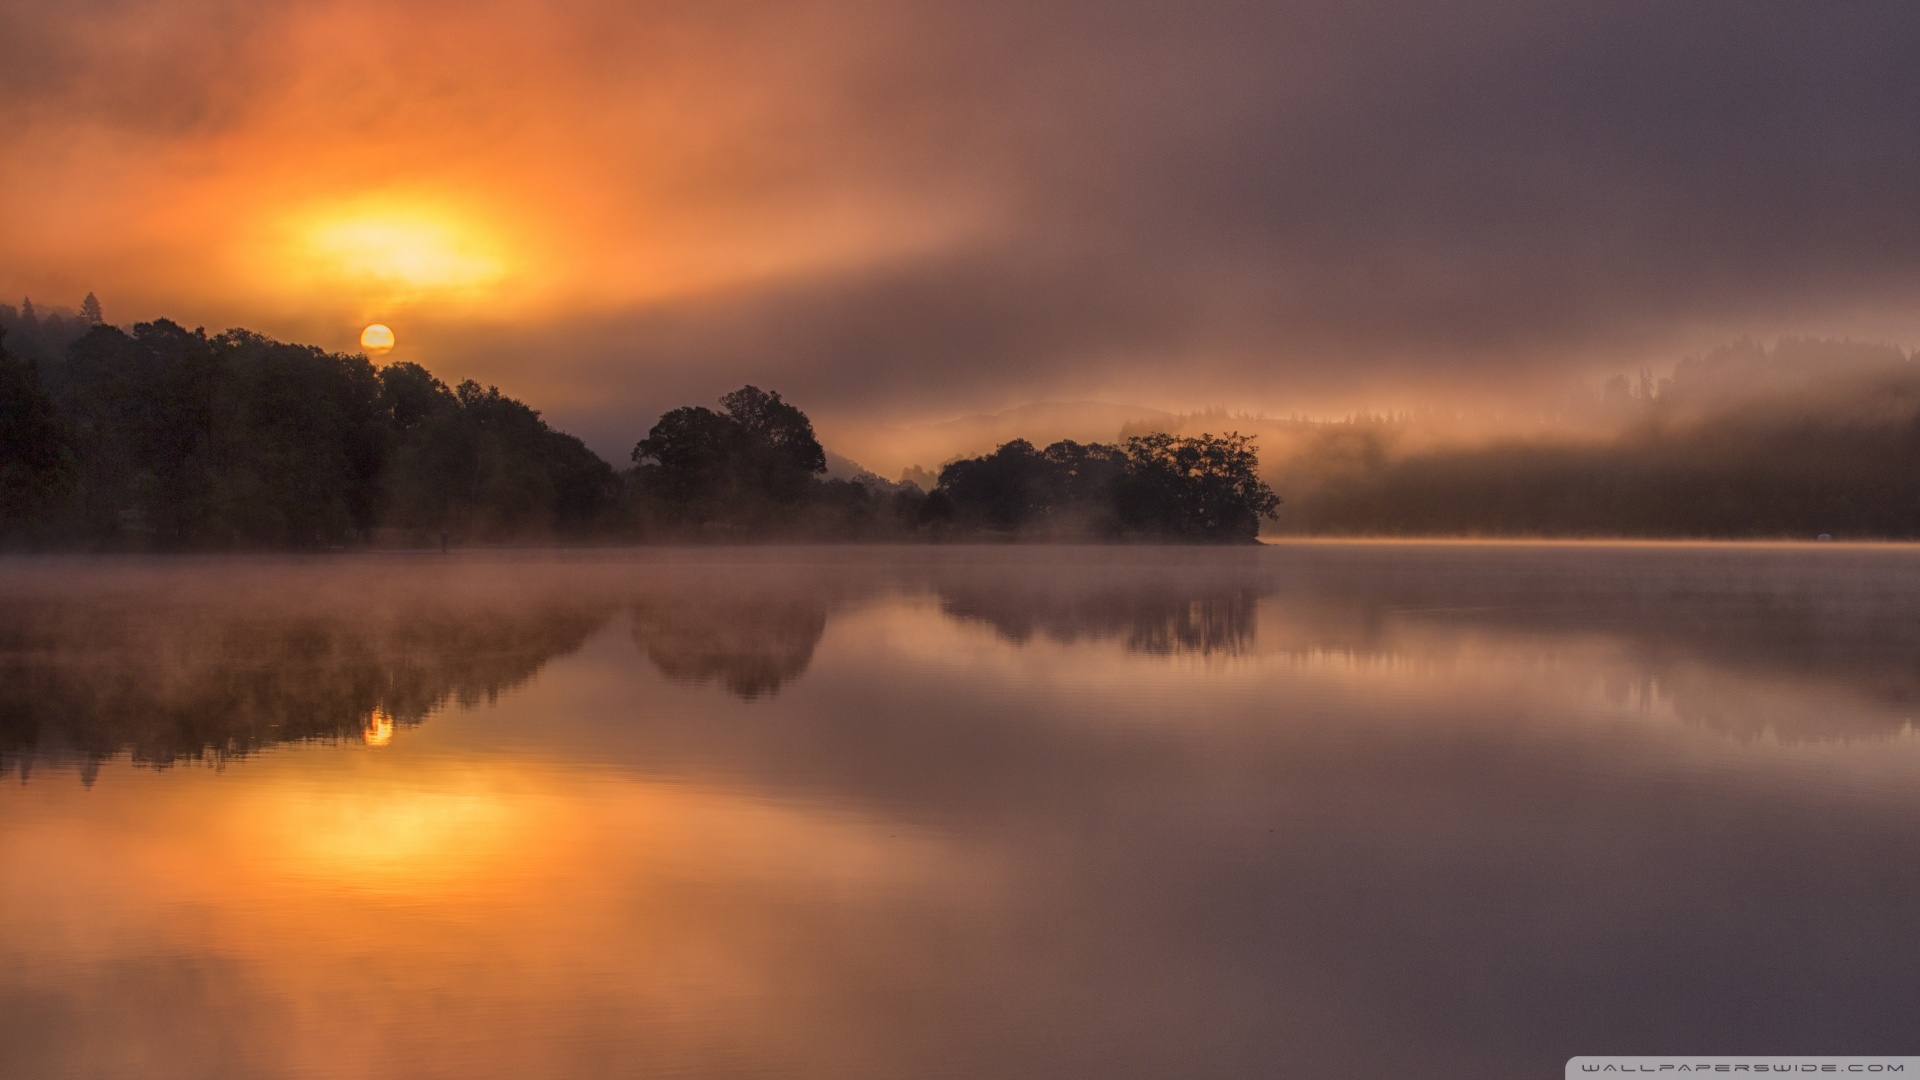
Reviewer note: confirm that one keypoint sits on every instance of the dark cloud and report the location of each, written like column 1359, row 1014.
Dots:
column 1387, row 189
column 142, row 70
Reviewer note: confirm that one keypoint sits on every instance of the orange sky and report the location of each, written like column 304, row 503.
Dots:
column 908, row 211
column 500, row 160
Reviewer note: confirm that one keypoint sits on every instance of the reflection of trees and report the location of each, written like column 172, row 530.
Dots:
column 751, row 645
column 195, row 680
column 1157, row 621
column 1788, row 701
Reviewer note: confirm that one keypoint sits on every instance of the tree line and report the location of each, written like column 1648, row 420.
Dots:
column 169, row 439
column 753, row 468
column 163, row 438
column 1197, row 488
column 43, row 336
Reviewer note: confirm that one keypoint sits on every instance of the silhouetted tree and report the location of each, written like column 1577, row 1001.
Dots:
column 433, row 477
column 1006, row 489
column 310, row 427
column 1083, row 484
column 1066, row 488
column 687, row 458
column 1202, row 488
column 142, row 408
column 779, row 453
column 34, row 464
column 1206, row 487
column 40, row 335
column 757, row 456
column 479, row 465
column 90, row 312
column 178, row 439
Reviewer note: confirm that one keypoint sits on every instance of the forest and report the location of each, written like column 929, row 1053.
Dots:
column 162, row 438
column 170, row 439
column 751, row 470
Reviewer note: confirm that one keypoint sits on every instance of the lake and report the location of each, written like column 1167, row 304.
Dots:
column 1316, row 810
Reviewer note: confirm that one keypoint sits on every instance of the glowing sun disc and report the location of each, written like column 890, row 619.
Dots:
column 376, row 339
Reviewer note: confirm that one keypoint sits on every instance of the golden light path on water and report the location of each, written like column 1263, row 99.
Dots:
column 501, row 912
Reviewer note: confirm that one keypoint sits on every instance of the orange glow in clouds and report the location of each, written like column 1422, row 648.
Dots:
column 513, row 163
column 394, row 252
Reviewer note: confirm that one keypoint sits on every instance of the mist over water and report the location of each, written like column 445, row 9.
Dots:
column 1317, row 809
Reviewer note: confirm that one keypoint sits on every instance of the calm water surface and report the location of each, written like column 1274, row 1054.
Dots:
column 1312, row 810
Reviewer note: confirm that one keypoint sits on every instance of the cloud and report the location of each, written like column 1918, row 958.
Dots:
column 910, row 208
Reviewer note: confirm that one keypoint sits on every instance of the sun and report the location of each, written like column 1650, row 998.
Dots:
column 377, row 340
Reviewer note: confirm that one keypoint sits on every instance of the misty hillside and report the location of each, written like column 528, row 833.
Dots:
column 43, row 335
column 1803, row 438
column 844, row 468
column 1793, row 440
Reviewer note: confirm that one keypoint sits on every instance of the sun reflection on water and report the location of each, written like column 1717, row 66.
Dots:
column 379, row 730
column 391, row 837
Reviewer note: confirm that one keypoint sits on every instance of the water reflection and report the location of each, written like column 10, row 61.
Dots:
column 213, row 661
column 167, row 668
column 209, row 662
column 1145, row 620
column 749, row 644
column 1322, row 810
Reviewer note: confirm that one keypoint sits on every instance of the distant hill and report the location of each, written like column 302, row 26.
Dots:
column 1806, row 438
column 841, row 467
